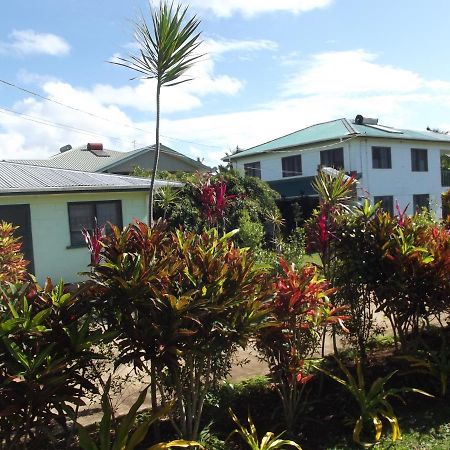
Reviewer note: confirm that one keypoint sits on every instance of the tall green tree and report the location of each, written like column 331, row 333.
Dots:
column 167, row 49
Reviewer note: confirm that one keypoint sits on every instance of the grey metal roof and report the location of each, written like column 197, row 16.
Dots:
column 16, row 178
column 80, row 158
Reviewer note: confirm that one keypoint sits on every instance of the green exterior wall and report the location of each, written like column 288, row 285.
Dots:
column 53, row 256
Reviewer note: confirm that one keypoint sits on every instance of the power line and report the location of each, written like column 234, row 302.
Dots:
column 55, row 124
column 73, row 108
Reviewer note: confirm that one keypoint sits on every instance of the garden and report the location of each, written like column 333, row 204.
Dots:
column 177, row 301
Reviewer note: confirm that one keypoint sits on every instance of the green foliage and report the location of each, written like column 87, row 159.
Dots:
column 372, row 401
column 433, row 363
column 299, row 311
column 251, row 234
column 128, row 435
column 250, row 437
column 183, row 304
column 245, row 193
column 12, row 264
column 46, row 339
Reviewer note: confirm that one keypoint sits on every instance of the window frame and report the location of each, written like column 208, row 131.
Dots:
column 74, row 243
column 417, row 203
column 286, row 171
column 332, row 151
column 382, row 157
column 390, row 204
column 251, row 171
column 416, row 159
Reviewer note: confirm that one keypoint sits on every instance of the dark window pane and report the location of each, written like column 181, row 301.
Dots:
column 421, row 201
column 387, row 203
column 381, row 158
column 83, row 215
column 419, row 160
column 108, row 212
column 332, row 158
column 253, row 169
column 291, row 166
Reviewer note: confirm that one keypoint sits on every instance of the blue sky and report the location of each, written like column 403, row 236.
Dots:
column 270, row 67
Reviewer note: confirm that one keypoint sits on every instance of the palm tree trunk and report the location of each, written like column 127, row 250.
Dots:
column 156, row 160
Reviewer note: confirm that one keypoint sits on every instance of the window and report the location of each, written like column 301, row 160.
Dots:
column 82, row 215
column 332, row 158
column 387, row 203
column 421, row 201
column 291, row 165
column 419, row 160
column 381, row 158
column 253, row 169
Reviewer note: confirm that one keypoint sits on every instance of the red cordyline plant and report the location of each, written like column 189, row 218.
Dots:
column 214, row 199
column 94, row 242
column 299, row 311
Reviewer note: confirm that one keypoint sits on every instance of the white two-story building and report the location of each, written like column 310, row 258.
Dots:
column 392, row 165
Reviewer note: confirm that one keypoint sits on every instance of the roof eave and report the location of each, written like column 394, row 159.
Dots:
column 292, row 147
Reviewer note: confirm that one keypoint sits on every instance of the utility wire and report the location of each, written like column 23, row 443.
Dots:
column 55, row 124
column 43, row 97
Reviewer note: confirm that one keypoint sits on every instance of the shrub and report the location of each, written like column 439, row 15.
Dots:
column 219, row 200
column 183, row 304
column 12, row 263
column 45, row 346
column 298, row 312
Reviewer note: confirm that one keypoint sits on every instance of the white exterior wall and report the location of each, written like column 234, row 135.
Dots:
column 271, row 168
column 399, row 181
column 53, row 256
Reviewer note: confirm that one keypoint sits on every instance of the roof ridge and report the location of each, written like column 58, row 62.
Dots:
column 293, row 132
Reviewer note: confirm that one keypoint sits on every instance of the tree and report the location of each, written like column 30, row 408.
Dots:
column 166, row 52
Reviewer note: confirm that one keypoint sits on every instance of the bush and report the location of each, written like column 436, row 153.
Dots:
column 45, row 346
column 12, row 264
column 183, row 304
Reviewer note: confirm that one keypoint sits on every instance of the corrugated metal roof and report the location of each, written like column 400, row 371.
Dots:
column 336, row 130
column 81, row 159
column 16, row 178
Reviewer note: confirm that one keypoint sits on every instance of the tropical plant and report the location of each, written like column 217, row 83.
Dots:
column 12, row 263
column 249, row 435
column 298, row 314
column 166, row 52
column 203, row 200
column 166, row 197
column 251, row 233
column 434, row 364
column 373, row 402
column 183, row 304
column 128, row 435
column 355, row 273
column 46, row 339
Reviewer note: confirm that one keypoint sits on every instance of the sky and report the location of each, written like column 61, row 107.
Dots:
column 269, row 67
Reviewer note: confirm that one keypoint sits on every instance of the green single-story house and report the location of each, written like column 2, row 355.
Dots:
column 51, row 206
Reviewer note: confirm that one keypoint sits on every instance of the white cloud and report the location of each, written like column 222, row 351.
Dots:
column 226, row 8
column 217, row 47
column 326, row 89
column 350, row 72
column 27, row 42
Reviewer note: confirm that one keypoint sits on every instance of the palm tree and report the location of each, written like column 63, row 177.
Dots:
column 166, row 52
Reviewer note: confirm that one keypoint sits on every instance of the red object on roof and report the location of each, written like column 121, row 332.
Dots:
column 94, row 146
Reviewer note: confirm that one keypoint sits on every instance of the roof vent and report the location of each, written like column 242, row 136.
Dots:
column 66, row 148
column 361, row 120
